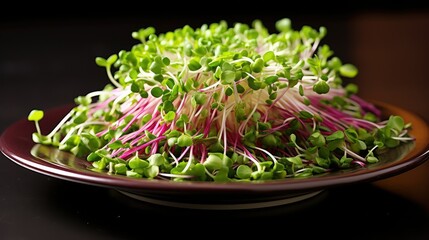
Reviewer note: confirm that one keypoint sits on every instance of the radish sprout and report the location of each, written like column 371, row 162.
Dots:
column 226, row 103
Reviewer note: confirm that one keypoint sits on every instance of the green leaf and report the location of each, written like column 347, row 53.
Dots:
column 116, row 144
column 83, row 100
column 92, row 142
column 391, row 143
column 156, row 92
column 222, row 175
column 352, row 88
column 120, row 168
column 305, row 115
column 38, row 138
column 151, row 172
column 317, row 139
column 198, row 171
column 351, row 134
column 170, row 116
column 35, row 115
column 135, row 87
column 244, row 172
column 100, row 164
column 213, row 162
column 101, row 61
column 295, row 160
column 266, row 176
column 200, row 98
column 156, row 159
column 194, row 65
column 112, row 59
column 335, row 136
column 269, row 55
column 322, row 162
column 372, row 159
column 396, row 122
column 334, row 144
column 227, row 77
column 184, row 141
column 348, row 70
column 321, row 87
column 270, row 140
column 156, row 67
column 283, row 25
column 257, row 65
column 135, row 162
column 229, row 91
column 133, row 174
column 271, row 79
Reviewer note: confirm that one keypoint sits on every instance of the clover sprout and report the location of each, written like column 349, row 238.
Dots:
column 225, row 103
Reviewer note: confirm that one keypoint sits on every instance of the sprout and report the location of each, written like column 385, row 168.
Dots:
column 35, row 116
column 225, row 103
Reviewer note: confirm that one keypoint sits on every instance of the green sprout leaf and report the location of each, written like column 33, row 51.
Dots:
column 321, row 87
column 35, row 115
column 348, row 70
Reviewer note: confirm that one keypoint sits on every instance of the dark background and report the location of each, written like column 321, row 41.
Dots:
column 47, row 58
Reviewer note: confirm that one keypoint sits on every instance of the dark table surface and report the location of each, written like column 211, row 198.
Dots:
column 46, row 62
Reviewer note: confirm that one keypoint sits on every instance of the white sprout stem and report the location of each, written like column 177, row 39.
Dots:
column 146, row 76
column 61, row 123
column 171, row 75
column 309, row 79
column 211, row 86
column 112, row 79
column 370, row 151
column 268, row 153
column 364, row 121
column 298, row 148
column 314, row 124
column 111, row 167
column 190, row 160
column 403, row 138
column 174, row 158
column 296, row 66
column 171, row 175
column 353, row 154
column 209, row 173
column 300, row 170
column 223, row 129
column 38, row 127
column 258, row 166
column 95, row 93
column 315, row 45
column 123, row 95
column 243, row 59
column 236, row 96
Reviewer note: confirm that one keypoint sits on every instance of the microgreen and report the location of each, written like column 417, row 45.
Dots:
column 225, row 103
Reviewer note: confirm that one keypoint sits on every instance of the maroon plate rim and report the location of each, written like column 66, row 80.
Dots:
column 16, row 145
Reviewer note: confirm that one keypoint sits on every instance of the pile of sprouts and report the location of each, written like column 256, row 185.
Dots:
column 225, row 103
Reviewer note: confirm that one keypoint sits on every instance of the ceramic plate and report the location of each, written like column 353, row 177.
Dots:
column 17, row 145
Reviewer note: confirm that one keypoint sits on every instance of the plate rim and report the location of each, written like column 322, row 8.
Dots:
column 290, row 185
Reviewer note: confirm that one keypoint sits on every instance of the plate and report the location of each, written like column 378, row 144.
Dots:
column 16, row 144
